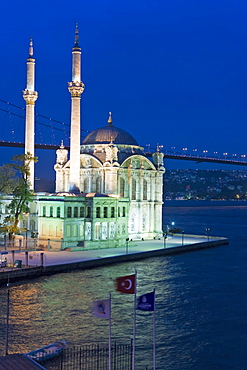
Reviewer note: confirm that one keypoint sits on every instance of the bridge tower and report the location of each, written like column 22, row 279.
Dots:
column 76, row 88
column 30, row 96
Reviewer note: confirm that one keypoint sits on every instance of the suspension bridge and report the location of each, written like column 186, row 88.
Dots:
column 13, row 111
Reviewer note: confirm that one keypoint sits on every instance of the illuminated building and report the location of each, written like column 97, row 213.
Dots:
column 112, row 162
column 82, row 221
column 106, row 192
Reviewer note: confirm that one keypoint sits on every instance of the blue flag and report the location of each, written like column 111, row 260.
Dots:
column 146, row 302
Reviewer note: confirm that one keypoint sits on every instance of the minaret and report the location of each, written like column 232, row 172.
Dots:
column 76, row 88
column 30, row 96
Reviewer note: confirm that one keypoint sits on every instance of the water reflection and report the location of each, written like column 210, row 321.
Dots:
column 59, row 306
column 201, row 302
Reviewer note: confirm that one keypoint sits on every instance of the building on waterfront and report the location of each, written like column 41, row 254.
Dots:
column 112, row 162
column 107, row 191
column 89, row 220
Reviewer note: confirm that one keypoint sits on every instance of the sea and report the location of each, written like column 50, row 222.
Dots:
column 201, row 299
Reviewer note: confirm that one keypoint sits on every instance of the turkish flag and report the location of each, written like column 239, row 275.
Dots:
column 126, row 284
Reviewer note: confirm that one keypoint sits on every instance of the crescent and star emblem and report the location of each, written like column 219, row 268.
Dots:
column 101, row 308
column 127, row 284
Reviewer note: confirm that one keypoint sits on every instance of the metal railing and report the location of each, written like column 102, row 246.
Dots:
column 91, row 357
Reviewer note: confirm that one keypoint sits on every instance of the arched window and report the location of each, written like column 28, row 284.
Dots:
column 51, row 211
column 76, row 212
column 44, row 211
column 105, row 212
column 145, row 190
column 97, row 231
column 98, row 185
column 68, row 231
column 58, row 212
column 43, row 229
column 86, row 186
column 133, row 197
column 82, row 212
column 88, row 212
column 69, row 212
column 97, row 212
column 121, row 186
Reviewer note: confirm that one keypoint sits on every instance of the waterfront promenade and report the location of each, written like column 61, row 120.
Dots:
column 132, row 247
column 37, row 263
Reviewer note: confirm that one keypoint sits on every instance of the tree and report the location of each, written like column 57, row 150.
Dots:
column 7, row 179
column 18, row 184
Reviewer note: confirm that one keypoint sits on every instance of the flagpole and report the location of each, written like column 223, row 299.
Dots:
column 134, row 326
column 109, row 351
column 7, row 322
column 154, row 335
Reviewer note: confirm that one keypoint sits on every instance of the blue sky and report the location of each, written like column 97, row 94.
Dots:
column 172, row 72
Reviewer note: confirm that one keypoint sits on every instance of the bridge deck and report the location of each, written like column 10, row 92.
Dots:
column 198, row 159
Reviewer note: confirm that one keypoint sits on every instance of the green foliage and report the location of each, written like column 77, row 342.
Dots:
column 21, row 164
column 7, row 179
column 22, row 194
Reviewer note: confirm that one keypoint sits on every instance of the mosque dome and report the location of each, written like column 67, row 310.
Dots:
column 110, row 133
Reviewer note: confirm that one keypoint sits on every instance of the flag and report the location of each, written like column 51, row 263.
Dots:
column 146, row 302
column 126, row 284
column 101, row 309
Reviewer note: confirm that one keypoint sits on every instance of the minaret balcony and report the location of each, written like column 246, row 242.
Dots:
column 76, row 89
column 30, row 96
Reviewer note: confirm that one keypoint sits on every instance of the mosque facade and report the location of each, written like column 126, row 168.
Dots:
column 112, row 163
column 107, row 189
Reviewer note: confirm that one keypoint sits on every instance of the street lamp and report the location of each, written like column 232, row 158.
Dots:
column 27, row 214
column 172, row 227
column 26, row 236
column 207, row 232
column 127, row 245
column 165, row 237
column 36, row 239
column 26, row 223
column 182, row 237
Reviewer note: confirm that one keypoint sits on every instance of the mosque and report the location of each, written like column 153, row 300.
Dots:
column 107, row 191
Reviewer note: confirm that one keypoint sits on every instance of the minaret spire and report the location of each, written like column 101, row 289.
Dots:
column 30, row 96
column 76, row 88
column 31, row 47
column 76, row 35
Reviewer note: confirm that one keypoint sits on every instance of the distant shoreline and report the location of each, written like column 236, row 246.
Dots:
column 206, row 200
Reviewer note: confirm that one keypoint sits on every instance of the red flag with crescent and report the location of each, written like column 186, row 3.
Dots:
column 126, row 284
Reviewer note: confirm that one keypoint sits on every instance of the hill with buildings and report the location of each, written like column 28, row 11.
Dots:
column 205, row 184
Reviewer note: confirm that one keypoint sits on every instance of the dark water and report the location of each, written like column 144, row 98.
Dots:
column 201, row 299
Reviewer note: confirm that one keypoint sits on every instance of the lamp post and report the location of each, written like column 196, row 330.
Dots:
column 182, row 237
column 165, row 237
column 36, row 239
column 27, row 215
column 207, row 232
column 5, row 242
column 127, row 245
column 172, row 227
column 26, row 237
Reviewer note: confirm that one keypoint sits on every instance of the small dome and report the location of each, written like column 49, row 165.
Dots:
column 110, row 133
